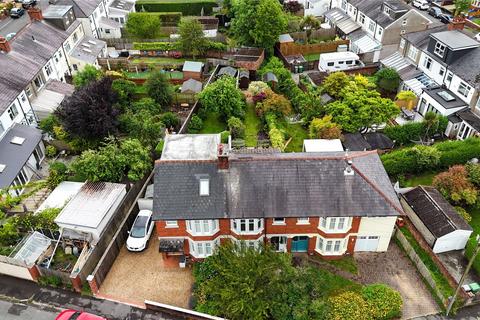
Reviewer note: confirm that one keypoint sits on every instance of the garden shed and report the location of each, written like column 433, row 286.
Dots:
column 89, row 212
column 229, row 71
column 191, row 86
column 322, row 145
column 59, row 197
column 439, row 223
column 244, row 79
column 193, row 70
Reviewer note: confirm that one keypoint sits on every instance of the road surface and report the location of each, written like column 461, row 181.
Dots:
column 17, row 311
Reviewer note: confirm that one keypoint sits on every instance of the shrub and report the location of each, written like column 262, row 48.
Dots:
column 216, row 46
column 458, row 152
column 455, row 186
column 388, row 79
column 275, row 103
column 384, row 302
column 292, row 6
column 159, row 46
column 187, row 8
column 256, row 87
column 224, row 136
column 473, row 171
column 236, row 127
column 425, row 157
column 276, row 138
column 406, row 133
column 9, row 234
column 159, row 147
column 159, row 89
column 50, row 151
column 49, row 123
column 195, row 124
column 57, row 172
column 465, row 215
column 223, row 97
column 348, row 305
column 324, row 128
column 170, row 120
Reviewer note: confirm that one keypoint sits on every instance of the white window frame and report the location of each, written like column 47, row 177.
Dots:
column 449, row 77
column 278, row 221
column 427, row 62
column 202, row 227
column 439, row 49
column 171, row 224
column 12, row 111
column 371, row 26
column 464, row 89
column 303, row 221
column 204, row 187
column 402, row 43
column 48, row 69
column 361, row 18
column 412, row 52
column 379, row 31
column 236, row 225
column 202, row 249
column 335, row 224
column 331, row 246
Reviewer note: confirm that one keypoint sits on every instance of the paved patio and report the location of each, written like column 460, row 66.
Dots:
column 135, row 277
column 395, row 269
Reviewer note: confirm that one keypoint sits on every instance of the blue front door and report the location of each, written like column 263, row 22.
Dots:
column 300, row 244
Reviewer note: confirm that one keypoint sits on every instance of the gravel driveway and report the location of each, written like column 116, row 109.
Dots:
column 395, row 269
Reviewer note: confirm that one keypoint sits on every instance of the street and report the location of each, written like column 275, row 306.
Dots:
column 9, row 25
column 16, row 311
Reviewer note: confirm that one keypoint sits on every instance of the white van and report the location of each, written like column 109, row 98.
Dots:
column 338, row 61
column 421, row 4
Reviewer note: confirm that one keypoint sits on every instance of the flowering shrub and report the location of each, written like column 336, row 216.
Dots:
column 383, row 302
column 348, row 305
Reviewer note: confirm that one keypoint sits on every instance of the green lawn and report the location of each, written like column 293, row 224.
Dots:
column 145, row 75
column 346, row 263
column 423, row 179
column 158, row 60
column 252, row 126
column 312, row 56
column 297, row 132
column 213, row 124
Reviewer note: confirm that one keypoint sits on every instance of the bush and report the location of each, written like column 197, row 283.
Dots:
column 275, row 103
column 50, row 151
column 406, row 133
column 236, row 127
column 465, row 215
column 388, row 79
column 170, row 120
column 159, row 147
column 348, row 305
column 384, row 302
column 159, row 89
column 324, row 128
column 159, row 46
column 170, row 19
column 48, row 124
column 9, row 234
column 276, row 138
column 455, row 186
column 224, row 136
column 473, row 171
column 195, row 124
column 187, row 7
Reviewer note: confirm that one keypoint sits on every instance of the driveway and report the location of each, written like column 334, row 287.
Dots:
column 135, row 277
column 395, row 269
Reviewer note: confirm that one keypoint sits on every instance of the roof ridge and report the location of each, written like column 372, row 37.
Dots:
column 377, row 189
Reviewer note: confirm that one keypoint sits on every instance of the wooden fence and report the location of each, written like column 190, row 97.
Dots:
column 114, row 239
column 320, row 34
column 292, row 48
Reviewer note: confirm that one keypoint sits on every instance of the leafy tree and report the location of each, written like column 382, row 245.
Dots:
column 324, row 128
column 292, row 6
column 431, row 121
column 223, row 97
column 308, row 24
column 192, row 39
column 146, row 104
column 87, row 75
column 236, row 127
column 171, row 120
column 335, row 82
column 49, row 123
column 125, row 90
column 57, row 172
column 142, row 25
column 90, row 112
column 473, row 170
column 461, row 7
column 195, row 124
column 144, row 126
column 408, row 97
column 455, row 185
column 138, row 160
column 275, row 103
column 388, row 79
column 276, row 138
column 258, row 23
column 159, row 89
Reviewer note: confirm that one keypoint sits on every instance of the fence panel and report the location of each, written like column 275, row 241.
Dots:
column 64, row 276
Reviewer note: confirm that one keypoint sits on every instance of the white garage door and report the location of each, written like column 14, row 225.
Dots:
column 366, row 243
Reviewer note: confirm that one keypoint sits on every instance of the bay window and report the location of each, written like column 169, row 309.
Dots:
column 331, row 246
column 202, row 227
column 335, row 224
column 202, row 249
column 243, row 226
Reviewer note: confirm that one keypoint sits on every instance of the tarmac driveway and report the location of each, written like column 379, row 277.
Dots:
column 396, row 270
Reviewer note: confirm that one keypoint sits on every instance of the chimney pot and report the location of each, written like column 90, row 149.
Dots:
column 456, row 24
column 35, row 14
column 222, row 163
column 4, row 45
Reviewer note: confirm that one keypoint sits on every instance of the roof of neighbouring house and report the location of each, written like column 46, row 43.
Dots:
column 445, row 97
column 190, row 147
column 88, row 49
column 32, row 47
column 275, row 185
column 59, row 197
column 322, row 145
column 122, row 5
column 434, row 211
column 81, row 8
column 89, row 207
column 335, row 15
column 192, row 66
column 469, row 117
column 468, row 67
column 455, row 39
column 420, row 39
column 13, row 156
column 355, row 142
column 191, row 85
column 56, row 11
column 378, row 140
column 373, row 9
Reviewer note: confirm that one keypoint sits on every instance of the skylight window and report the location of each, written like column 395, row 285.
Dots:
column 2, row 167
column 17, row 140
column 446, row 96
column 204, row 187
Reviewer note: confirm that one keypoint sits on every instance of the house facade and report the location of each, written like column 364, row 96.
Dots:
column 330, row 204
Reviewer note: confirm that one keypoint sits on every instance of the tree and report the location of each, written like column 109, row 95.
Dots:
column 455, row 185
column 308, row 24
column 147, row 104
column 258, row 23
column 408, row 98
column 324, row 128
column 159, row 89
column 192, row 39
column 87, row 75
column 142, row 25
column 388, row 79
column 236, row 127
column 144, row 126
column 334, row 83
column 90, row 112
column 275, row 103
column 292, row 6
column 223, row 97
column 461, row 6
column 125, row 90
column 171, row 120
column 431, row 121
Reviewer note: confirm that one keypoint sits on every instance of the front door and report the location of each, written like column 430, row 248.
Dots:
column 300, row 244
column 279, row 243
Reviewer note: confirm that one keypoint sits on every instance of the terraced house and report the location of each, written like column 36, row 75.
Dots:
column 330, row 204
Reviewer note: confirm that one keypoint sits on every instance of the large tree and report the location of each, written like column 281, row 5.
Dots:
column 192, row 39
column 143, row 25
column 90, row 112
column 86, row 76
column 159, row 89
column 223, row 97
column 258, row 23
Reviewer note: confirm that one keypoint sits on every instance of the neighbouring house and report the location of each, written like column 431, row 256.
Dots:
column 118, row 11
column 192, row 70
column 191, row 86
column 330, row 204
column 322, row 145
column 374, row 26
column 48, row 99
column 21, row 155
column 463, row 124
column 314, row 8
column 437, row 221
column 87, row 52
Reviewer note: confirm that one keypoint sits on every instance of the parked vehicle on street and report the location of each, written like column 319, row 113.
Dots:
column 421, row 4
column 28, row 3
column 141, row 231
column 446, row 18
column 17, row 12
column 434, row 12
column 77, row 315
column 477, row 36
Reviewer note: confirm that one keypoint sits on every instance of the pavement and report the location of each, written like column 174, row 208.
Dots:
column 22, row 298
column 9, row 25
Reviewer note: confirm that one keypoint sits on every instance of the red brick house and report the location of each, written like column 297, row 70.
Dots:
column 330, row 204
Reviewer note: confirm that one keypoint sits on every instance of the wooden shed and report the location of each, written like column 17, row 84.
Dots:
column 243, row 79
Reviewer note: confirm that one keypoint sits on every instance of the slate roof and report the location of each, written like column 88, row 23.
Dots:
column 434, row 93
column 229, row 71
column 81, row 8
column 275, row 185
column 191, row 85
column 373, row 10
column 468, row 67
column 355, row 142
column 14, row 156
column 469, row 117
column 420, row 39
column 455, row 39
column 378, row 140
column 28, row 56
column 434, row 211
column 88, row 49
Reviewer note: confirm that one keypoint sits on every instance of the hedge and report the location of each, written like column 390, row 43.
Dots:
column 186, row 7
column 405, row 161
column 413, row 131
column 160, row 46
column 166, row 18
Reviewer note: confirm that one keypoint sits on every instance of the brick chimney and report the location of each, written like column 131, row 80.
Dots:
column 35, row 14
column 456, row 24
column 222, row 154
column 4, row 45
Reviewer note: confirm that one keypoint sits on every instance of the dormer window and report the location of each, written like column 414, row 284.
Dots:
column 387, row 10
column 204, row 187
column 439, row 49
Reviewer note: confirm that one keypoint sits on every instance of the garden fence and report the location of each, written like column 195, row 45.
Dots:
column 61, row 275
column 292, row 48
column 320, row 34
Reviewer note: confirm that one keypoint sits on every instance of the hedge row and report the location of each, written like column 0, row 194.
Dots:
column 418, row 158
column 166, row 18
column 187, row 8
column 168, row 46
column 413, row 131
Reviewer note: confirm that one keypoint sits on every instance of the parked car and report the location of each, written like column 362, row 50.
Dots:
column 434, row 12
column 17, row 12
column 77, row 315
column 141, row 231
column 421, row 4
column 28, row 3
column 477, row 36
column 446, row 18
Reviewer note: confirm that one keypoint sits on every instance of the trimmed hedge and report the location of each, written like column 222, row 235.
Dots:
column 160, row 46
column 186, row 7
column 405, row 161
column 413, row 131
column 166, row 18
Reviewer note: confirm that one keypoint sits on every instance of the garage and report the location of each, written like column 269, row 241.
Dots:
column 366, row 243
